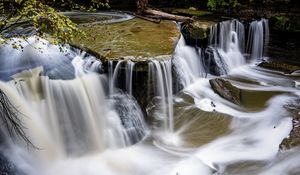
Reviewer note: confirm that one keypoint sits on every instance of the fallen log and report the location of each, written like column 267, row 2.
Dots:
column 163, row 15
column 155, row 20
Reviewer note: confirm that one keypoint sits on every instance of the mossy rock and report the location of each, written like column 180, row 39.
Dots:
column 134, row 37
column 226, row 90
column 197, row 32
column 284, row 67
column 197, row 29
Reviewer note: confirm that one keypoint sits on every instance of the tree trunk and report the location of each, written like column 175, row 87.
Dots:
column 142, row 8
column 163, row 15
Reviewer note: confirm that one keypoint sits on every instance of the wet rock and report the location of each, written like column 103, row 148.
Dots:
column 196, row 30
column 294, row 138
column 280, row 66
column 210, row 63
column 6, row 167
column 226, row 90
column 131, row 116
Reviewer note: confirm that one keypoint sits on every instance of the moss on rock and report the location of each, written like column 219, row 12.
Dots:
column 197, row 29
column 134, row 37
column 197, row 32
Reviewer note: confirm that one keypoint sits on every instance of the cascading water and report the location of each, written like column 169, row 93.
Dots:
column 258, row 39
column 160, row 75
column 79, row 129
column 255, row 135
column 63, row 96
column 131, row 116
column 114, row 74
column 227, row 43
column 187, row 61
column 222, row 35
column 225, row 51
column 129, row 68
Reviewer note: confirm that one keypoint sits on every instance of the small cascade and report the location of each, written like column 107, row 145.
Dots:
column 160, row 75
column 131, row 116
column 258, row 39
column 223, row 34
column 63, row 95
column 227, row 44
column 83, row 117
column 129, row 71
column 115, row 73
column 110, row 76
column 188, row 62
column 226, row 49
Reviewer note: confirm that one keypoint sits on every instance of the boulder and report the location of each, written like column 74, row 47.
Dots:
column 197, row 32
column 226, row 90
column 280, row 66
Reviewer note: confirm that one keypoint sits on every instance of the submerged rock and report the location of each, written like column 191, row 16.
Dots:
column 280, row 66
column 131, row 116
column 226, row 90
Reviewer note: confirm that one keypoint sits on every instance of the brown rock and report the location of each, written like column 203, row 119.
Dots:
column 226, row 90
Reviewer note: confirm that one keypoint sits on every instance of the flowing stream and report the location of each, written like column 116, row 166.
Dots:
column 82, row 123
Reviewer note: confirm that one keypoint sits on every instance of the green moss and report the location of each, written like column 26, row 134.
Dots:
column 283, row 23
column 188, row 12
column 131, row 38
column 198, row 29
column 215, row 4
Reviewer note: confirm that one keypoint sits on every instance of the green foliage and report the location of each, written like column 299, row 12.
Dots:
column 280, row 22
column 214, row 4
column 48, row 22
column 286, row 24
column 85, row 5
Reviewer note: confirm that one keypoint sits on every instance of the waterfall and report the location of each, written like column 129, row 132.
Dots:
column 129, row 70
column 187, row 61
column 160, row 74
column 114, row 74
column 114, row 77
column 223, row 34
column 83, row 117
column 258, row 39
column 110, row 76
column 131, row 116
column 62, row 95
column 226, row 50
column 227, row 43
